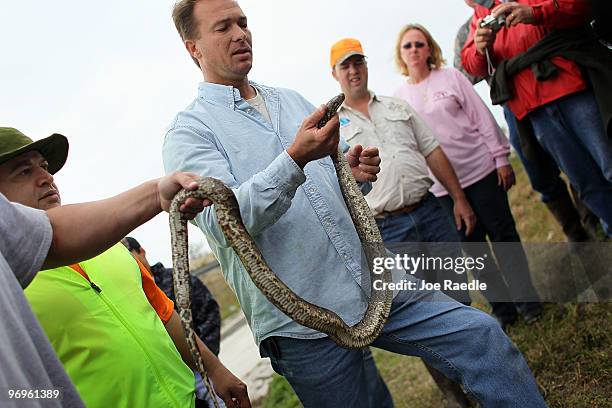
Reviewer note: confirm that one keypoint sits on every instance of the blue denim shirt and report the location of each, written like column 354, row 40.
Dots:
column 297, row 218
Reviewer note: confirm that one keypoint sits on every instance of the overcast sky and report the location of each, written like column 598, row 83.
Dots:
column 110, row 75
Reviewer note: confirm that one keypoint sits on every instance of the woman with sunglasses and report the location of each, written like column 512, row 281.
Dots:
column 478, row 151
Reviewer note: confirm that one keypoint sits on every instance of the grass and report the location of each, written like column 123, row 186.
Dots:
column 569, row 353
column 533, row 220
column 280, row 395
column 569, row 350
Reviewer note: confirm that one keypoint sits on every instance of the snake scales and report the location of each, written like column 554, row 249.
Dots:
column 303, row 312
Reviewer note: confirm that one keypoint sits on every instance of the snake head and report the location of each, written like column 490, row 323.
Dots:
column 332, row 108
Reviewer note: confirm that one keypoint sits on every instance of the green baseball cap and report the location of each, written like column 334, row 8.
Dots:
column 53, row 148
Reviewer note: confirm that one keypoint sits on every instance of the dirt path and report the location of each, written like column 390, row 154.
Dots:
column 241, row 356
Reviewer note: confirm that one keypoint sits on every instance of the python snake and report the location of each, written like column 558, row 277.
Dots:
column 303, row 312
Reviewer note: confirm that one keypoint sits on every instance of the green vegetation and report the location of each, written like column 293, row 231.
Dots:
column 281, row 394
column 569, row 350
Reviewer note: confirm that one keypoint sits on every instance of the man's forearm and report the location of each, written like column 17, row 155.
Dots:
column 176, row 332
column 209, row 360
column 82, row 231
column 175, row 329
column 442, row 169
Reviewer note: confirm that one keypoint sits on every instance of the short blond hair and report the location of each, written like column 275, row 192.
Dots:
column 185, row 22
column 436, row 59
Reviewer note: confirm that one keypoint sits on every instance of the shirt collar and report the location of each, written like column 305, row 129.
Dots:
column 223, row 94
column 373, row 97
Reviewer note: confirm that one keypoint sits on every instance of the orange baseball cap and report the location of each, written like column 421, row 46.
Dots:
column 344, row 49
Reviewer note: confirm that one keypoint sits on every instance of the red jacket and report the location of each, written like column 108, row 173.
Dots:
column 529, row 94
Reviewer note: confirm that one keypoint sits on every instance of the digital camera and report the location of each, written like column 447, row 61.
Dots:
column 493, row 23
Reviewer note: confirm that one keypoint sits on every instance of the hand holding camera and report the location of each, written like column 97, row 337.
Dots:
column 484, row 37
column 506, row 14
column 492, row 22
column 514, row 13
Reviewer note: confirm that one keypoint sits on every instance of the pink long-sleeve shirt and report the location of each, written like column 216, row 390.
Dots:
column 464, row 126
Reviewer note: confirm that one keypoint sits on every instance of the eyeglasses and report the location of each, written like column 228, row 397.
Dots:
column 417, row 44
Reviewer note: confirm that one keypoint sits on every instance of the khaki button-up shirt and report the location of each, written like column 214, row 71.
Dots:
column 403, row 140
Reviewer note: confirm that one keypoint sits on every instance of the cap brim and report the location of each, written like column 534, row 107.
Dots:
column 53, row 148
column 349, row 55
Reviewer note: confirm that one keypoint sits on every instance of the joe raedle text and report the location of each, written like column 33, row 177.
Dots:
column 445, row 285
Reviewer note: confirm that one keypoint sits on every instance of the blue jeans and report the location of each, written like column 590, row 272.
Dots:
column 543, row 175
column 378, row 393
column 426, row 224
column 465, row 344
column 570, row 129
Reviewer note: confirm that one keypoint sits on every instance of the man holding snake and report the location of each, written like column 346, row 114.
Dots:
column 264, row 144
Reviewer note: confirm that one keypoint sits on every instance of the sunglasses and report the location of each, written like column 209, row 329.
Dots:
column 417, row 44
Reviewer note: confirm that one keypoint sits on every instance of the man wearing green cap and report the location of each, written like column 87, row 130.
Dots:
column 105, row 331
column 17, row 153
column 30, row 239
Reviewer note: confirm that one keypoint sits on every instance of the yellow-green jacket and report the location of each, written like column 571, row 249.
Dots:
column 111, row 342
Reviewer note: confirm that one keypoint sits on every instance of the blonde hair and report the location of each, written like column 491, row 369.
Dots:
column 435, row 60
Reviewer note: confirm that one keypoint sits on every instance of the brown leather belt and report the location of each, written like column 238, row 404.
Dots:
column 404, row 210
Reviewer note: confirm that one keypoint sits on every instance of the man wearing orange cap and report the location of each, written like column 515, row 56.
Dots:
column 263, row 143
column 407, row 145
column 404, row 209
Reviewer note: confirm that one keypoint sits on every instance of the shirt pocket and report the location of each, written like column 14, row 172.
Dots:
column 398, row 115
column 352, row 134
column 397, row 127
